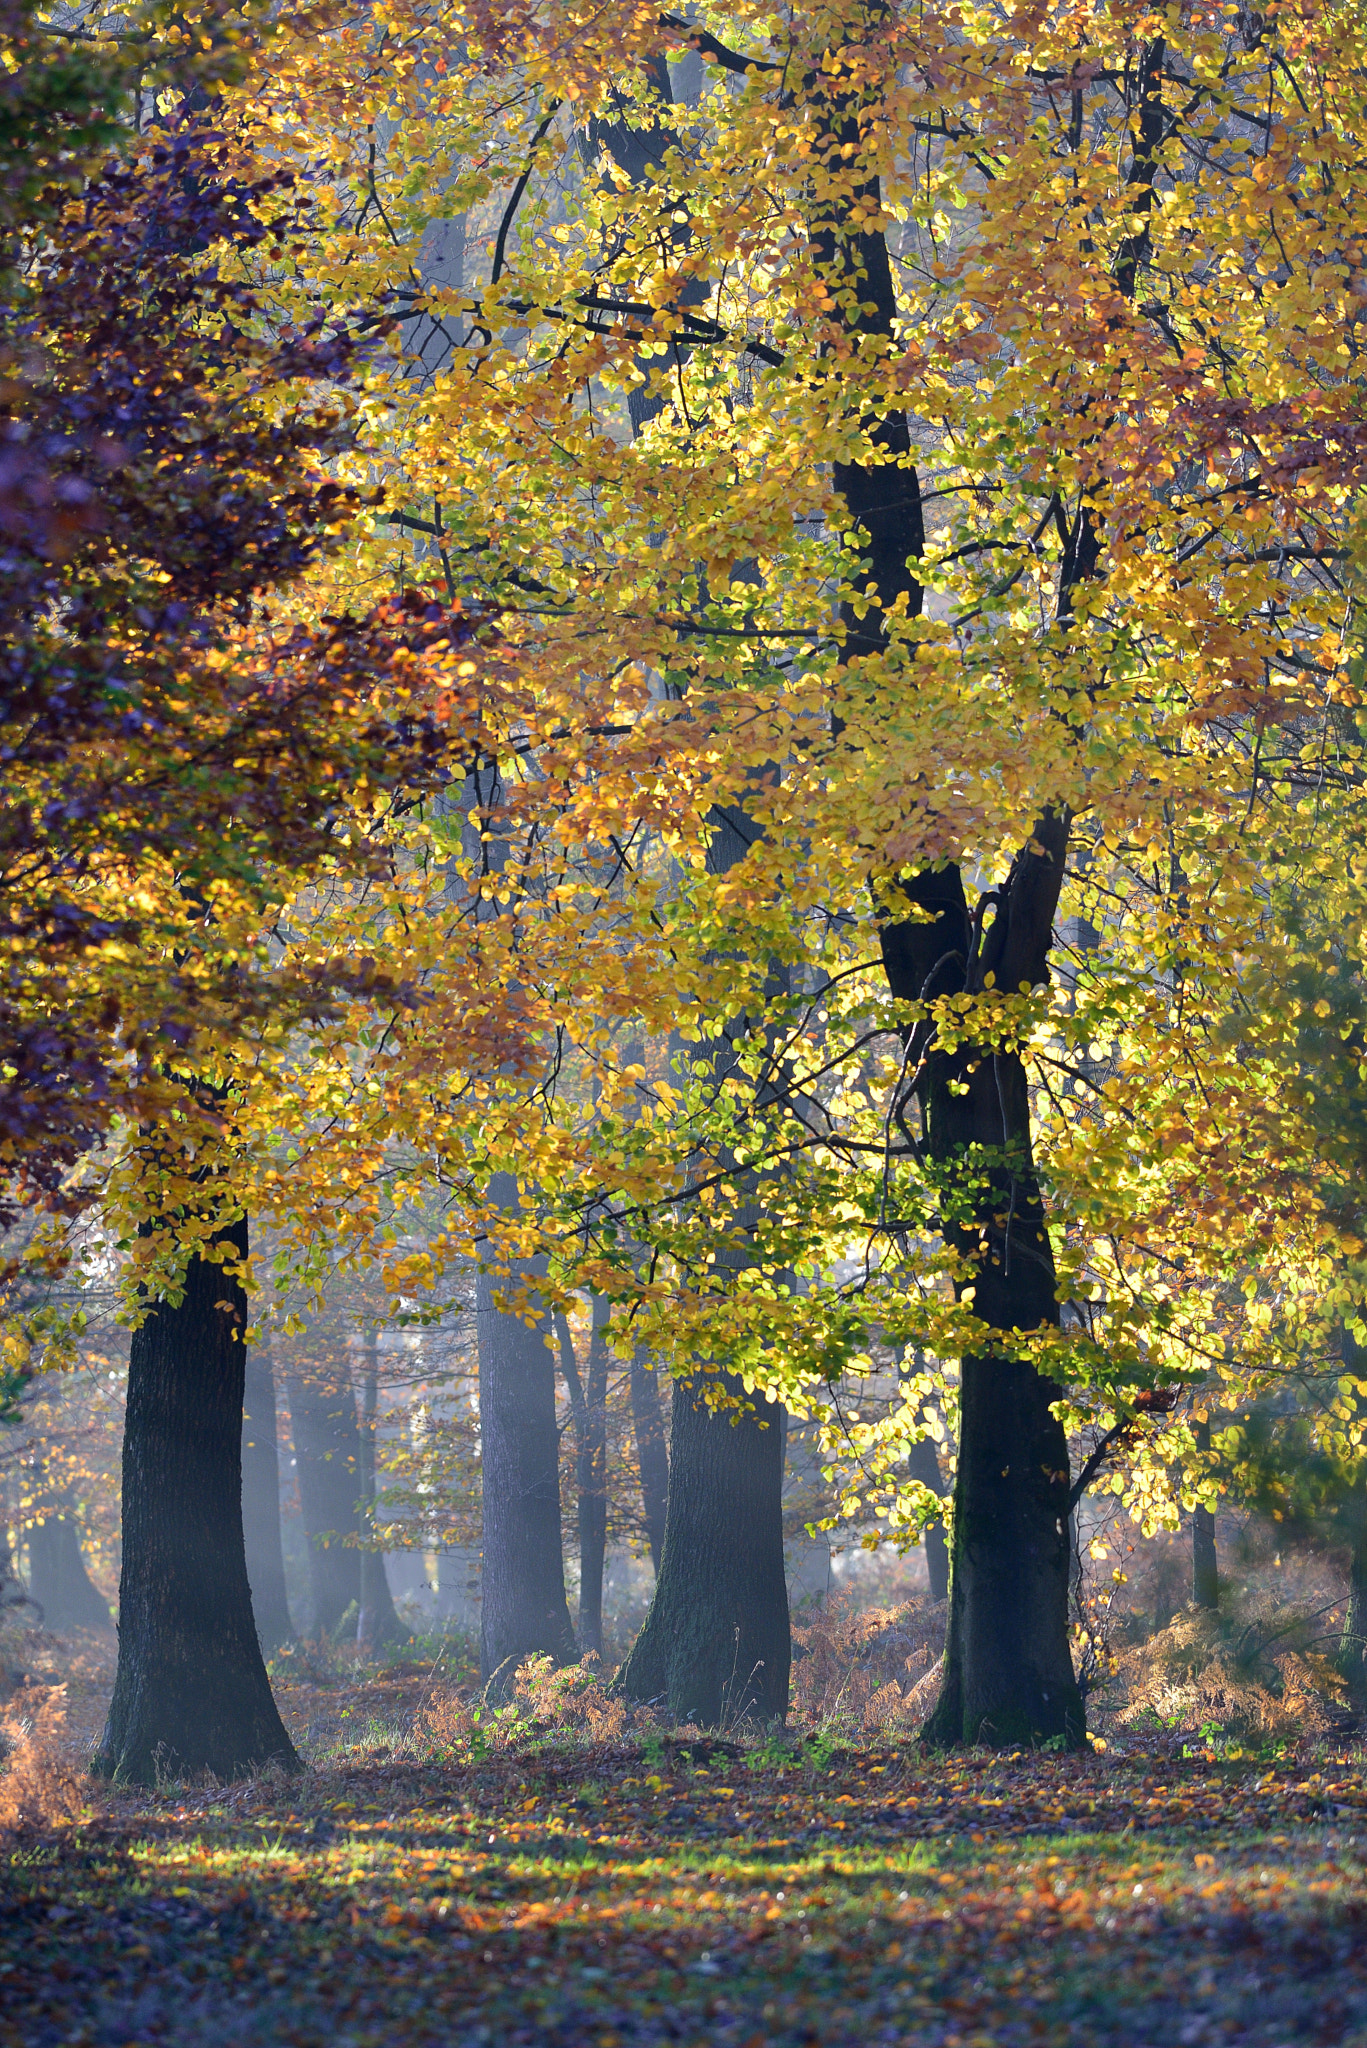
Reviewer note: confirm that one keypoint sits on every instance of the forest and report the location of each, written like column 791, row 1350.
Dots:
column 683, row 1050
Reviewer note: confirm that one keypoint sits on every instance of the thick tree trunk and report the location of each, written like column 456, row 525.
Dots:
column 1205, row 1566
column 524, row 1612
column 327, row 1454
column 58, row 1579
column 716, row 1643
column 261, row 1505
column 1008, row 1667
column 652, row 1456
column 923, row 1464
column 1008, row 1663
column 377, row 1623
column 191, row 1692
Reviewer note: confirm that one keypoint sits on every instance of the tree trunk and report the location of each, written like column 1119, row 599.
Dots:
column 589, row 1404
column 459, row 1593
column 923, row 1464
column 191, row 1692
column 1205, row 1568
column 716, row 1643
column 652, row 1458
column 58, row 1579
column 327, row 1452
column 261, row 1505
column 1353, row 1645
column 1008, row 1666
column 377, row 1623
column 524, row 1612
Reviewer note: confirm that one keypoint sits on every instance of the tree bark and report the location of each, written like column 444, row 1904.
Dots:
column 589, row 1407
column 740, row 1612
column 716, row 1645
column 1353, row 1645
column 1205, row 1567
column 327, row 1452
column 524, row 1611
column 191, row 1692
column 923, row 1464
column 652, row 1457
column 376, row 1623
column 261, row 1505
column 58, row 1579
column 717, row 1642
column 1008, row 1666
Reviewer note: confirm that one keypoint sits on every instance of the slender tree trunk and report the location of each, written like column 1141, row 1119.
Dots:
column 377, row 1623
column 589, row 1403
column 652, row 1457
column 58, row 1579
column 716, row 1643
column 327, row 1452
column 261, row 1505
column 923, row 1464
column 718, row 1627
column 1353, row 1646
column 1205, row 1567
column 1353, row 1643
column 191, row 1692
column 524, row 1611
column 12, row 1595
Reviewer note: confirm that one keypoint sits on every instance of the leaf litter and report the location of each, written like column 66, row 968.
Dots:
column 475, row 1879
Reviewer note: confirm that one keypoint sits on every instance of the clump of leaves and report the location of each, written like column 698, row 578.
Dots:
column 573, row 1698
column 39, row 1790
column 867, row 1671
column 1265, row 1678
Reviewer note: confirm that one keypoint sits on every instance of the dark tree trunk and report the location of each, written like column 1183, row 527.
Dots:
column 1008, row 1667
column 1008, row 1664
column 1353, row 1643
column 923, row 1464
column 327, row 1454
column 716, row 1643
column 524, row 1612
column 1205, row 1567
column 191, row 1692
column 652, row 1457
column 261, row 1505
column 377, row 1623
column 58, row 1579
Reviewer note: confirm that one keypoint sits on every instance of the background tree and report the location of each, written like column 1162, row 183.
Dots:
column 261, row 1503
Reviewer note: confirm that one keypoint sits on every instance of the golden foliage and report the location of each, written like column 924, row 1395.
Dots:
column 39, row 1790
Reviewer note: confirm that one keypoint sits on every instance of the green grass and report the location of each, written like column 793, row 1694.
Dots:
column 624, row 1895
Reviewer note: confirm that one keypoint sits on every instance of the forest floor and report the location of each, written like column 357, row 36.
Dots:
column 437, row 1877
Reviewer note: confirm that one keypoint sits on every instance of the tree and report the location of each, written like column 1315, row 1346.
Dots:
column 58, row 1579
column 327, row 1456
column 1075, row 674
column 190, row 1692
column 523, row 1612
column 376, row 1621
column 589, row 1406
column 261, row 1503
column 652, row 1456
column 175, row 761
